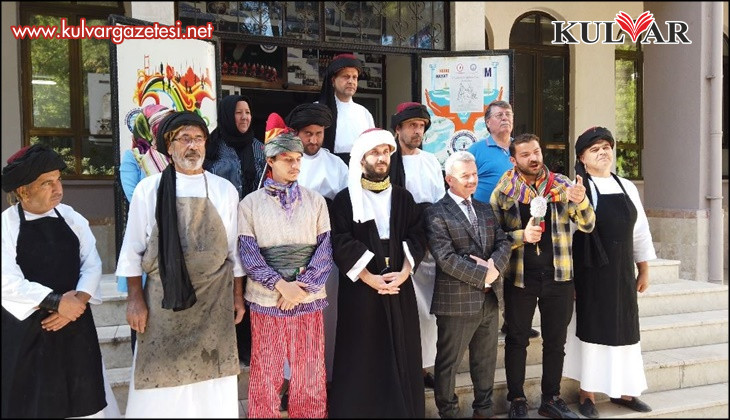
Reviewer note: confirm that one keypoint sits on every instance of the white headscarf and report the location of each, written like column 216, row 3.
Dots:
column 368, row 140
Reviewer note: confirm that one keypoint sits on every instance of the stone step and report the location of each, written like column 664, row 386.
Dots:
column 657, row 333
column 682, row 296
column 113, row 310
column 116, row 345
column 709, row 401
column 665, row 370
column 663, row 271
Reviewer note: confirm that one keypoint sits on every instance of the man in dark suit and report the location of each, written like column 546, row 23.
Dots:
column 471, row 251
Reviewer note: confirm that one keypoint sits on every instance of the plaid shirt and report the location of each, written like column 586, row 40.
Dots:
column 507, row 211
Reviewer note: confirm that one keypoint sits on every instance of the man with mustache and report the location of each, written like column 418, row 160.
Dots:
column 284, row 243
column 51, row 360
column 181, row 231
column 349, row 118
column 471, row 250
column 377, row 241
column 420, row 173
column 541, row 267
column 492, row 157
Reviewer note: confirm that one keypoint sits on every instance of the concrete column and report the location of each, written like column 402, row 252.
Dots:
column 467, row 26
column 676, row 140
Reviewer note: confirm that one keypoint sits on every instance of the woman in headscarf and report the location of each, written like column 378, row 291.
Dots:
column 143, row 159
column 603, row 349
column 232, row 151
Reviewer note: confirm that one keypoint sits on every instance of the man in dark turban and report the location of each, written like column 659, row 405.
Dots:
column 181, row 231
column 420, row 173
column 338, row 88
column 51, row 272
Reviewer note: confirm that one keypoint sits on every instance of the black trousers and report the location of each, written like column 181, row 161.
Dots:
column 555, row 299
column 479, row 333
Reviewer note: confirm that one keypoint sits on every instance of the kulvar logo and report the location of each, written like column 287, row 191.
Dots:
column 592, row 32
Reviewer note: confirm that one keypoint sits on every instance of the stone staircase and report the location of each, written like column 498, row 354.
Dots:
column 684, row 338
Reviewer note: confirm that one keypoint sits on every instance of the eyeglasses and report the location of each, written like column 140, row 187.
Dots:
column 499, row 115
column 191, row 140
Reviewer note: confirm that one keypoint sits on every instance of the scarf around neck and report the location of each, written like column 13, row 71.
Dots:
column 288, row 194
column 513, row 184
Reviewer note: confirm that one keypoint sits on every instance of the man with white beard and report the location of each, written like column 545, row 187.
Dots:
column 182, row 231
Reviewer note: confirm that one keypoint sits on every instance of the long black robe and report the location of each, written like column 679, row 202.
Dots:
column 377, row 365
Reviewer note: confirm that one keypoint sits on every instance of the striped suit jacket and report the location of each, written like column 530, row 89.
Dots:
column 459, row 288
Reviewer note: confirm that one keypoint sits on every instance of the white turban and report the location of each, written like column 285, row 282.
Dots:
column 367, row 141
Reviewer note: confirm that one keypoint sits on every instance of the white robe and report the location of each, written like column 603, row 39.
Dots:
column 425, row 181
column 612, row 370
column 324, row 173
column 21, row 296
column 352, row 120
column 215, row 397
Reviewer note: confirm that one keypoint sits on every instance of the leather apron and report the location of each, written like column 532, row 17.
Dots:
column 607, row 310
column 50, row 373
column 199, row 343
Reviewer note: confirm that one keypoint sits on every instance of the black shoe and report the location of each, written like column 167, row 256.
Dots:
column 588, row 409
column 429, row 381
column 634, row 404
column 533, row 332
column 555, row 408
column 518, row 408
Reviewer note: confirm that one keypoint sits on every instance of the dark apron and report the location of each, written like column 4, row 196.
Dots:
column 606, row 305
column 50, row 373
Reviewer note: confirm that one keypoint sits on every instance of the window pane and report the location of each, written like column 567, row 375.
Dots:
column 98, row 156
column 547, row 31
column 302, row 20
column 50, row 78
column 97, row 95
column 627, row 163
column 524, row 94
column 63, row 146
column 555, row 156
column 523, row 32
column 626, row 76
column 553, row 100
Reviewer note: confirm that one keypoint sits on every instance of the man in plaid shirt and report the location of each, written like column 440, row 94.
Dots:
column 541, row 270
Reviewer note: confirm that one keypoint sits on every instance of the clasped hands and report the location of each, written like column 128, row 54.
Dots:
column 388, row 283
column 70, row 308
column 492, row 272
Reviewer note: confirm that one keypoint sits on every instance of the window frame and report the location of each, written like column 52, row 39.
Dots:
column 77, row 130
column 637, row 57
column 539, row 51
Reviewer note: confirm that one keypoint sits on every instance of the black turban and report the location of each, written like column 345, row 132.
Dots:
column 176, row 120
column 308, row 114
column 30, row 162
column 327, row 93
column 408, row 111
column 591, row 136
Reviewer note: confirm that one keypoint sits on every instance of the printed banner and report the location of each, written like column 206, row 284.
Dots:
column 456, row 91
